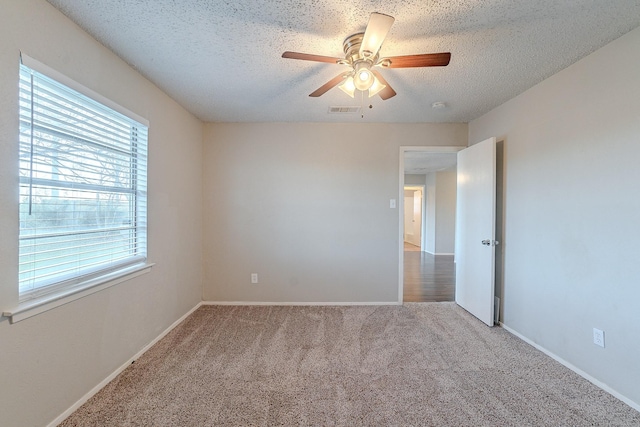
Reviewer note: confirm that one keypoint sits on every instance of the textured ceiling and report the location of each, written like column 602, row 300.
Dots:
column 221, row 59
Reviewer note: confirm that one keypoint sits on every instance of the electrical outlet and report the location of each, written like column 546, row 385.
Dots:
column 254, row 278
column 598, row 337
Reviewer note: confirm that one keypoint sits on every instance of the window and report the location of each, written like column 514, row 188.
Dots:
column 83, row 185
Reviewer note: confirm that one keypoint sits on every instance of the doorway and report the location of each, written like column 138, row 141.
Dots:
column 427, row 223
column 413, row 217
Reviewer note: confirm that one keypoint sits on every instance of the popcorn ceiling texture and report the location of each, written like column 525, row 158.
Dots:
column 221, row 59
column 428, row 364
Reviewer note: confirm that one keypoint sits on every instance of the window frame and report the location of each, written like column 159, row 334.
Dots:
column 62, row 291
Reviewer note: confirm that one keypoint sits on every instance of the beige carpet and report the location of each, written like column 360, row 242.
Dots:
column 425, row 364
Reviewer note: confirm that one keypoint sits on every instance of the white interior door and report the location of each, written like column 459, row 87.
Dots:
column 475, row 230
column 408, row 218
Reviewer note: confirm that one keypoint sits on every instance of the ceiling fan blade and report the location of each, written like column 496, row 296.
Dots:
column 377, row 29
column 388, row 91
column 309, row 57
column 424, row 60
column 328, row 85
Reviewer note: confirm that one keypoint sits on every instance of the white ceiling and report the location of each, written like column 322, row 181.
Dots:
column 221, row 59
column 423, row 162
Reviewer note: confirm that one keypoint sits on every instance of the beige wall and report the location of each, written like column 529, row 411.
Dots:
column 445, row 211
column 441, row 212
column 415, row 179
column 571, row 208
column 431, row 223
column 50, row 361
column 306, row 206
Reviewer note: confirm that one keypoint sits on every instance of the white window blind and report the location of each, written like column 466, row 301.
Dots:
column 83, row 186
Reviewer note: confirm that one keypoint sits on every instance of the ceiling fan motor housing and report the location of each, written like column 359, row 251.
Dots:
column 351, row 47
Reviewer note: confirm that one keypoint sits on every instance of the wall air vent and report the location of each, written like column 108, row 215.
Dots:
column 344, row 110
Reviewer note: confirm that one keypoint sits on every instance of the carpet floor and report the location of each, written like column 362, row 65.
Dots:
column 423, row 364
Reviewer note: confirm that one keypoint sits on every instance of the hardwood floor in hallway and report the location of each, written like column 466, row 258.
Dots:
column 427, row 277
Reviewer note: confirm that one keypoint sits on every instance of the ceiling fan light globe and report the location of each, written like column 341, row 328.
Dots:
column 362, row 76
column 363, row 80
column 376, row 87
column 348, row 86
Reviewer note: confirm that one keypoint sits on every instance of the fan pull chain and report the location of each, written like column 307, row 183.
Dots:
column 362, row 104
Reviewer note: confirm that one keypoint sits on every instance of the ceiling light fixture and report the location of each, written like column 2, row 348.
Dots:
column 362, row 53
column 348, row 86
column 376, row 87
column 362, row 76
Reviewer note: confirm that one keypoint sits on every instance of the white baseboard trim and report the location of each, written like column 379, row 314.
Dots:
column 438, row 253
column 114, row 374
column 575, row 369
column 298, row 303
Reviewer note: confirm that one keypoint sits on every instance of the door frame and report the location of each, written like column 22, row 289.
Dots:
column 404, row 149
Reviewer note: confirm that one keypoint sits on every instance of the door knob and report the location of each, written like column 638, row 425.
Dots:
column 488, row 242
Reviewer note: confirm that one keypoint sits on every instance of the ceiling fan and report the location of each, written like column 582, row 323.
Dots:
column 362, row 55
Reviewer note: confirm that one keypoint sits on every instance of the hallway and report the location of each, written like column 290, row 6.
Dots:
column 427, row 278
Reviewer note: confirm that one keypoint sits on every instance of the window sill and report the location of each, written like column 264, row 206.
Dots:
column 36, row 306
